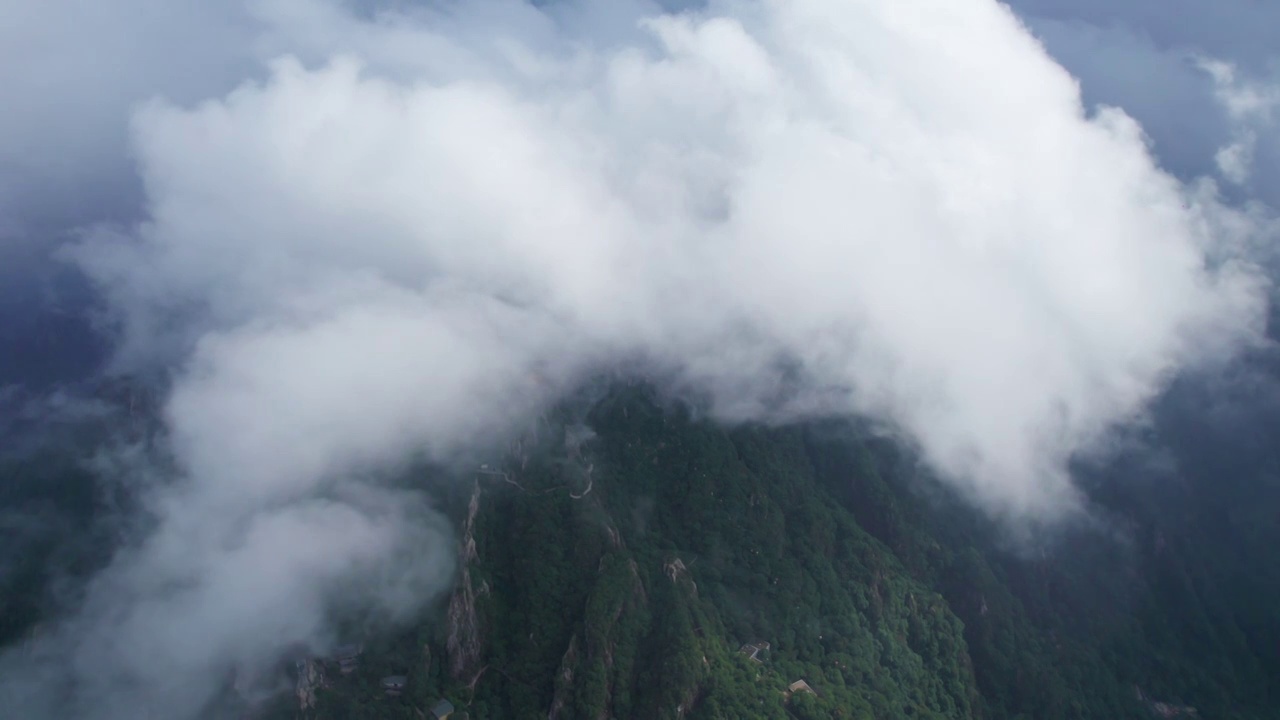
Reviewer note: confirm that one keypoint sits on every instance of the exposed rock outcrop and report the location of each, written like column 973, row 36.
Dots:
column 564, row 680
column 464, row 638
column 310, row 679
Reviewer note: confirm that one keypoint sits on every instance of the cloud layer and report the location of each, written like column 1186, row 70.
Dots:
column 1165, row 63
column 908, row 204
column 417, row 227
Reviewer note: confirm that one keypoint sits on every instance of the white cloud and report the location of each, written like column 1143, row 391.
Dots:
column 414, row 244
column 1249, row 104
column 1150, row 58
column 974, row 260
column 1235, row 160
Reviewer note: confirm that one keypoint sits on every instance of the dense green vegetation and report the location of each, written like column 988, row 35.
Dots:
column 625, row 552
column 618, row 576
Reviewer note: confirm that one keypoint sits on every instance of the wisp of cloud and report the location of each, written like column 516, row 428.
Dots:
column 421, row 226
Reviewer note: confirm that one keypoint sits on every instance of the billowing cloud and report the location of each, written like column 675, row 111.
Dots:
column 1165, row 63
column 1250, row 105
column 76, row 69
column 980, row 263
column 418, row 227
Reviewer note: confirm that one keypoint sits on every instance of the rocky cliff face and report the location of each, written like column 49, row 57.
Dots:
column 464, row 641
column 591, row 670
column 310, row 679
column 635, row 573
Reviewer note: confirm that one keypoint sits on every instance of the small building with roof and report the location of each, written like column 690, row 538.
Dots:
column 348, row 658
column 800, row 686
column 442, row 710
column 755, row 651
column 393, row 685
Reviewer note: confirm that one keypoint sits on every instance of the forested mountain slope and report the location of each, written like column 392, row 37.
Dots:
column 633, row 562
